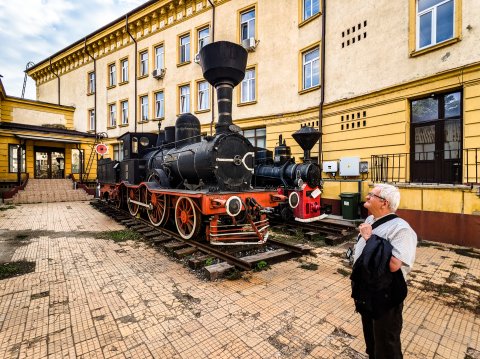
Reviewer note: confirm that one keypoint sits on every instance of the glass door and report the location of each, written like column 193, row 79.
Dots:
column 49, row 163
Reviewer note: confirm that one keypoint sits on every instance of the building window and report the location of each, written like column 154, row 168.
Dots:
column 310, row 8
column 112, row 110
column 435, row 20
column 159, row 105
column 311, row 71
column 436, row 138
column 203, row 96
column 118, row 152
column 248, row 87
column 185, row 99
column 13, row 158
column 247, row 24
column 144, row 63
column 124, row 70
column 91, row 82
column 112, row 75
column 184, row 48
column 144, row 108
column 91, row 119
column 159, row 56
column 76, row 160
column 203, row 37
column 257, row 136
column 124, row 106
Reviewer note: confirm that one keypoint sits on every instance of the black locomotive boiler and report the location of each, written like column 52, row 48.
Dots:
column 198, row 183
column 300, row 182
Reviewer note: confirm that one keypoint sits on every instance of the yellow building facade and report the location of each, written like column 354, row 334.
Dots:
column 38, row 140
column 400, row 101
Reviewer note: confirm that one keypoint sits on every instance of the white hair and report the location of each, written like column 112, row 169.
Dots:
column 391, row 194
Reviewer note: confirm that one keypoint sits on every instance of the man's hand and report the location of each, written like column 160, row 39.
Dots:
column 365, row 230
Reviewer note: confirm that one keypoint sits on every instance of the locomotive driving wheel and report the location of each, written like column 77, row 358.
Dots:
column 158, row 215
column 187, row 218
column 133, row 194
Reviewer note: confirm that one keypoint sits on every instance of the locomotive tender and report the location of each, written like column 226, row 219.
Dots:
column 301, row 182
column 193, row 181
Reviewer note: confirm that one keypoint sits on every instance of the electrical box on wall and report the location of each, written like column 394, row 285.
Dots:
column 349, row 166
column 363, row 167
column 330, row 166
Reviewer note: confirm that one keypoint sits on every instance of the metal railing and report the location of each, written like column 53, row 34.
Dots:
column 441, row 167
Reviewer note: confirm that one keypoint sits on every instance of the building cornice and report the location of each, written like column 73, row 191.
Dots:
column 144, row 21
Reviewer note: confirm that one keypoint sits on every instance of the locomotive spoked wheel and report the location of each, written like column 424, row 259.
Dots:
column 133, row 207
column 158, row 215
column 187, row 218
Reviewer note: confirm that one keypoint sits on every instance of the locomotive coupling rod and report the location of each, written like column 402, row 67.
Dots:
column 149, row 206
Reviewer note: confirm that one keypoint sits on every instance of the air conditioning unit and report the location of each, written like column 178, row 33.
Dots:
column 158, row 73
column 249, row 44
column 196, row 59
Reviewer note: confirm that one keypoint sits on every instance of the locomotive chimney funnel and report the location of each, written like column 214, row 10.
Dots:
column 306, row 137
column 223, row 65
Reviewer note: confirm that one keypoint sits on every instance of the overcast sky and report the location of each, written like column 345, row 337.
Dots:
column 32, row 30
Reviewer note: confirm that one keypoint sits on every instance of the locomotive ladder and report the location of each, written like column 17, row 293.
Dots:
column 92, row 156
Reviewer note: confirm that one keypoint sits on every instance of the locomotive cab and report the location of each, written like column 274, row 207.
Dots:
column 135, row 146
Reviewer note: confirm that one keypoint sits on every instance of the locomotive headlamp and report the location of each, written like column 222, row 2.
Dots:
column 233, row 206
column 293, row 200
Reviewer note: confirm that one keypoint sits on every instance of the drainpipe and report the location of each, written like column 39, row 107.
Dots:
column 322, row 84
column 212, row 106
column 135, row 102
column 95, row 84
column 58, row 78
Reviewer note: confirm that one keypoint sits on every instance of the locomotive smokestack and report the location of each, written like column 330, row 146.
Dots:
column 306, row 137
column 223, row 65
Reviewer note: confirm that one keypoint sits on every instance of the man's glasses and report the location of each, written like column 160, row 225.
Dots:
column 371, row 194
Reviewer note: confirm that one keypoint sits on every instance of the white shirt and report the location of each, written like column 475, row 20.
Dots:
column 400, row 235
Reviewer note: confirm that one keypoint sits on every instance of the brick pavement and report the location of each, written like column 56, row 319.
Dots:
column 95, row 298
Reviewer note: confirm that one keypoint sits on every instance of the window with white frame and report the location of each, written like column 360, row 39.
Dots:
column 76, row 159
column 435, row 21
column 159, row 56
column 203, row 96
column 203, row 37
column 159, row 105
column 124, row 64
column 144, row 63
column 311, row 71
column 248, row 87
column 247, row 24
column 310, row 8
column 144, row 108
column 91, row 82
column 256, row 136
column 91, row 119
column 184, row 48
column 112, row 110
column 13, row 158
column 112, row 75
column 124, row 107
column 185, row 99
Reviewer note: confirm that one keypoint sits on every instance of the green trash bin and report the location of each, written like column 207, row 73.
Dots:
column 349, row 205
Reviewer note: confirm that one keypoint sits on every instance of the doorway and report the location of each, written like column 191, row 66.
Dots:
column 49, row 162
column 436, row 139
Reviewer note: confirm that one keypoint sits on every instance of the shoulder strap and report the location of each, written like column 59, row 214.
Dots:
column 383, row 220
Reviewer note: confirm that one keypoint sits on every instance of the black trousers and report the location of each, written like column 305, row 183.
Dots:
column 382, row 335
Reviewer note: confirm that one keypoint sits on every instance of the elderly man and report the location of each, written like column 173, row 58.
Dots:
column 382, row 334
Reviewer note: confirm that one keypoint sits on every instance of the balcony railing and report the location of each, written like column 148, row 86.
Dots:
column 447, row 167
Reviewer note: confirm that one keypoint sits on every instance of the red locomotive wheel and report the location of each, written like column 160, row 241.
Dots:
column 158, row 215
column 187, row 218
column 133, row 194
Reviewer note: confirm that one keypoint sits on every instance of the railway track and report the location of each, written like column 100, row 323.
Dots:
column 216, row 261
column 334, row 232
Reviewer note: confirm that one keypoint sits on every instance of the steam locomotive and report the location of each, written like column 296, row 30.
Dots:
column 193, row 181
column 300, row 182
